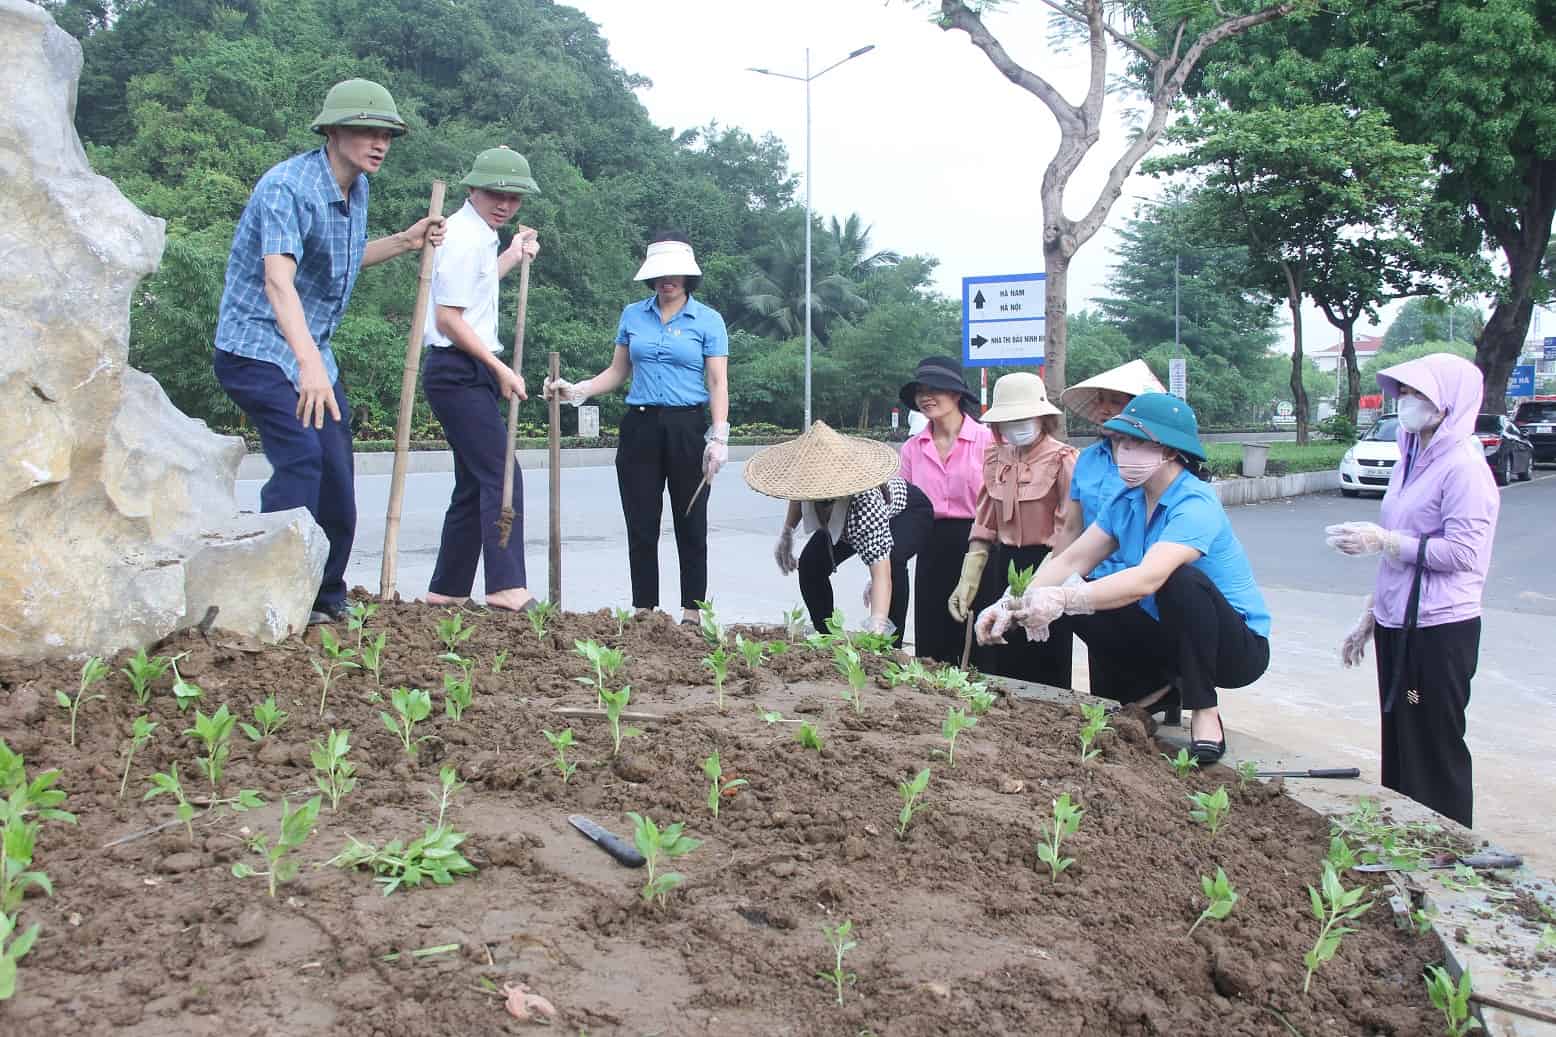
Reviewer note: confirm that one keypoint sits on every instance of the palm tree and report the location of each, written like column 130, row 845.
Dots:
column 851, row 240
column 772, row 298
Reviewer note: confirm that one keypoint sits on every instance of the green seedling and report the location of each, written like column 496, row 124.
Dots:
column 717, row 662
column 719, row 787
column 1096, row 723
column 1404, row 846
column 1182, row 763
column 912, row 800
column 607, row 663
column 1019, row 579
column 92, row 671
column 794, row 623
column 144, row 671
column 448, row 784
column 1067, row 821
column 539, row 617
column 296, row 825
column 846, row 658
column 411, row 707
column 1464, row 878
column 168, row 784
column 458, row 691
column 770, row 716
column 435, row 855
column 24, row 806
column 139, row 736
column 1547, row 938
column 875, row 644
column 268, row 717
column 356, row 619
column 956, row 721
column 1220, row 895
column 337, row 658
column 453, row 632
column 185, row 693
column 708, row 624
column 753, row 652
column 913, row 673
column 840, row 939
column 1421, row 921
column 1247, row 774
column 333, row 773
column 622, row 618
column 615, row 702
column 808, row 737
column 660, row 847
column 499, row 660
column 12, row 950
column 1452, row 1000
column 373, row 657
column 1333, row 908
column 1340, row 856
column 561, row 743
column 980, row 702
column 215, row 733
column 1209, row 808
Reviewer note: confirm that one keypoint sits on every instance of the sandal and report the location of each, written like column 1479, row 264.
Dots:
column 1206, row 751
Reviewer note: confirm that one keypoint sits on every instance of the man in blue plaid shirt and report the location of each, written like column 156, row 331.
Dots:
column 300, row 243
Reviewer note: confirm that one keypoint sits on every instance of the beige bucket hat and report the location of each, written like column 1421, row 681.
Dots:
column 1017, row 397
column 666, row 259
column 821, row 465
column 1134, row 378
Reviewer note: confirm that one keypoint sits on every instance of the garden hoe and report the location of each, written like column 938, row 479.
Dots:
column 505, row 520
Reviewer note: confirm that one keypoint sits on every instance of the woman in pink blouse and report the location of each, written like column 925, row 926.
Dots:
column 945, row 460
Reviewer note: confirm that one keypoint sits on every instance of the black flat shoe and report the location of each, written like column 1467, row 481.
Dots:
column 1206, row 751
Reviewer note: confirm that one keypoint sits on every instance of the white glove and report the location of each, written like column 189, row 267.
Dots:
column 1363, row 538
column 716, row 454
column 994, row 621
column 568, row 392
column 783, row 553
column 1040, row 606
column 1354, row 648
column 880, row 625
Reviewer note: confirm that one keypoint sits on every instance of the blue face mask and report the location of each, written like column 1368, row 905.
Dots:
column 1020, row 433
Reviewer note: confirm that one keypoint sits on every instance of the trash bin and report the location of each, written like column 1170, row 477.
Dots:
column 1254, row 456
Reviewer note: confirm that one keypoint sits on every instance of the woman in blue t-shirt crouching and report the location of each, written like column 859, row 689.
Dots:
column 1185, row 610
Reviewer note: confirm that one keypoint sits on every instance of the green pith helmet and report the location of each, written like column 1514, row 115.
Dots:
column 359, row 102
column 502, row 170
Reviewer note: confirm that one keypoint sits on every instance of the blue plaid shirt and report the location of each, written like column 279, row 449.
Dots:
column 296, row 210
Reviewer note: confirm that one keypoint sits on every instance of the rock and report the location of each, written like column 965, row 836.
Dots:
column 24, row 706
column 250, row 928
column 781, row 869
column 178, row 863
column 632, row 768
column 108, row 494
column 855, row 849
column 275, row 753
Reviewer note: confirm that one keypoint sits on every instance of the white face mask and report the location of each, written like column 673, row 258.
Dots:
column 1137, row 461
column 1020, row 433
column 1417, row 413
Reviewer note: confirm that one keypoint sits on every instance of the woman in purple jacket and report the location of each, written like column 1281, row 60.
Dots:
column 1438, row 519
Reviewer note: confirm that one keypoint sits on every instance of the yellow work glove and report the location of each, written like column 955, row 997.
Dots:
column 961, row 600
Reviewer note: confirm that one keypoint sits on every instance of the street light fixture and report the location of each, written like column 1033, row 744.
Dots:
column 807, row 78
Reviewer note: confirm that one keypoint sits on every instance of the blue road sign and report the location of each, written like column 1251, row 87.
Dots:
column 1521, row 381
column 1550, row 348
column 1003, row 320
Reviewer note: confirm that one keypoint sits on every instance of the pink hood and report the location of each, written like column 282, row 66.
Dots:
column 1454, row 386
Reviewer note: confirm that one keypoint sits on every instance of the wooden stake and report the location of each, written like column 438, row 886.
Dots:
column 505, row 520
column 967, row 638
column 600, row 714
column 554, row 567
column 402, row 428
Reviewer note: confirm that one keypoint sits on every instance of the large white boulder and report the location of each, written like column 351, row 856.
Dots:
column 117, row 518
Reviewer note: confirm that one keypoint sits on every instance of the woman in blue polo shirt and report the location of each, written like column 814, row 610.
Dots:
column 676, row 352
column 1185, row 609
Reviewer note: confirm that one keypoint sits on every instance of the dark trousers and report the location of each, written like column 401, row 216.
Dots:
column 1200, row 643
column 660, row 445
column 1424, row 755
column 311, row 468
column 1050, row 662
column 1108, row 678
column 465, row 399
column 936, row 572
column 910, row 529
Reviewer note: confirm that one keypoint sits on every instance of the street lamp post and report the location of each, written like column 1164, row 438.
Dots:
column 807, row 78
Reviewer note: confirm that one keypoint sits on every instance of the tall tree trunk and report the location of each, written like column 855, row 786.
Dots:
column 1056, row 328
column 1352, row 373
column 1298, row 390
column 1524, row 243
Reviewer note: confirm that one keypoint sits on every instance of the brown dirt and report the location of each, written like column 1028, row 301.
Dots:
column 957, row 931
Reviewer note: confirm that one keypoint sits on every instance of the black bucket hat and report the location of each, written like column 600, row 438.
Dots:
column 944, row 374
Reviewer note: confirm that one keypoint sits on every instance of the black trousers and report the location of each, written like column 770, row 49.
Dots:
column 1200, row 642
column 1050, row 662
column 910, row 529
column 466, row 400
column 936, row 572
column 1424, row 755
column 661, row 445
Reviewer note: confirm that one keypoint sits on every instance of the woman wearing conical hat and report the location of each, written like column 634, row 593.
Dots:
column 846, row 494
column 1023, row 506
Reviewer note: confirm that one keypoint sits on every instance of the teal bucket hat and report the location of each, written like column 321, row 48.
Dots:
column 1159, row 417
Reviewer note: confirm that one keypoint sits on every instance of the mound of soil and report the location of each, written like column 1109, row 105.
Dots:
column 959, row 929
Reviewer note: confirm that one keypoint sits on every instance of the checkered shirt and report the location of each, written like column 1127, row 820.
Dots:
column 296, row 210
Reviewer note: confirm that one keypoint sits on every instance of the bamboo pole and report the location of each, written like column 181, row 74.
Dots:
column 554, row 568
column 505, row 520
column 402, row 428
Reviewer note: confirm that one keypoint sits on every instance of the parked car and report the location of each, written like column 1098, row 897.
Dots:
column 1508, row 450
column 1366, row 467
column 1537, row 419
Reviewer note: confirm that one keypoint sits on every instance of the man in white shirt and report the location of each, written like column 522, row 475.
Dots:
column 465, row 376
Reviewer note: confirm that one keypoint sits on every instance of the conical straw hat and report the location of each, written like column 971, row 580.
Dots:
column 821, row 465
column 1134, row 378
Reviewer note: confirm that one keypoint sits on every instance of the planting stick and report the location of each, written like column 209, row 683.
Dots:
column 505, row 520
column 695, row 494
column 554, row 566
column 402, row 427
column 1529, row 1011
column 599, row 714
column 967, row 640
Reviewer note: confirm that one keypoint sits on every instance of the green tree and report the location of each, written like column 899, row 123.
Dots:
column 1433, row 320
column 772, row 297
column 1411, row 351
